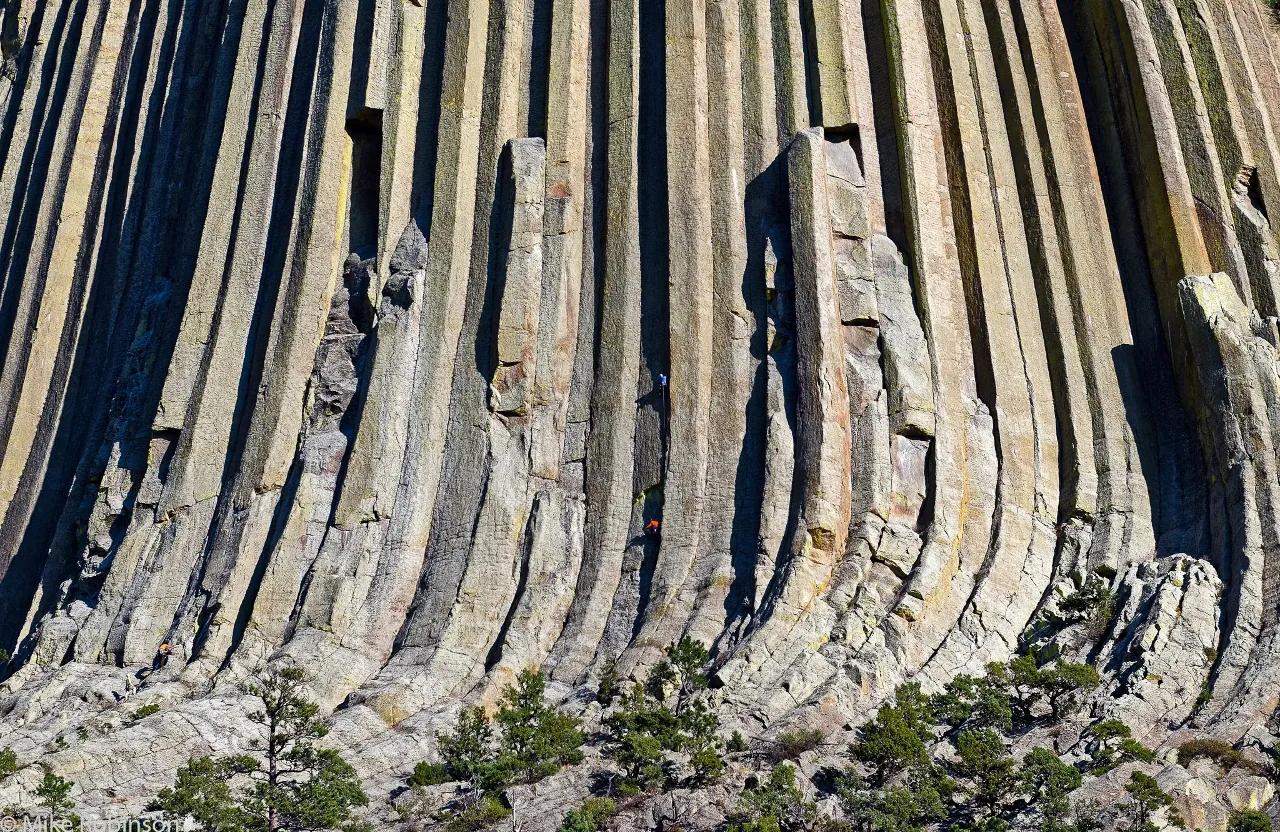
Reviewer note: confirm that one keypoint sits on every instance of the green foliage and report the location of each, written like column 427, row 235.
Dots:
column 777, row 805
column 684, row 670
column 482, row 814
column 1115, row 745
column 610, row 684
column 466, row 748
column 202, row 794
column 1062, row 685
column 914, row 707
column 538, row 737
column 641, row 755
column 1094, row 603
column 913, row 807
column 430, row 774
column 54, row 795
column 300, row 787
column 1222, row 753
column 144, row 712
column 8, row 762
column 707, row 765
column 737, row 743
column 322, row 799
column 590, row 817
column 909, row 793
column 891, row 743
column 977, row 703
column 4, row 656
column 536, row 741
column 1146, row 799
column 986, row 770
column 1086, row 818
column 1065, row 683
column 1132, row 750
column 1044, row 776
column 1249, row 820
column 1048, row 781
column 792, row 744
column 643, row 729
column 1109, row 729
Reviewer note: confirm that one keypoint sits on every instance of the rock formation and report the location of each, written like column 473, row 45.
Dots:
column 373, row 334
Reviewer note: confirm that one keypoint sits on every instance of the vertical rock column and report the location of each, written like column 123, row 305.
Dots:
column 363, row 582
column 935, row 271
column 202, row 391
column 1009, row 351
column 499, row 546
column 819, row 531
column 1243, row 122
column 1237, row 372
column 1032, row 93
column 312, row 267
column 1152, row 133
column 51, row 284
column 1106, row 508
column 424, row 663
column 609, row 460
column 691, row 280
column 738, row 306
column 562, row 263
column 834, row 23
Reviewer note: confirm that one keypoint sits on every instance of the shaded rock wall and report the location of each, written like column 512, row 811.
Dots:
column 373, row 334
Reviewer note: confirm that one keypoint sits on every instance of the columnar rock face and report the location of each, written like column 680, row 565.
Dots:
column 423, row 341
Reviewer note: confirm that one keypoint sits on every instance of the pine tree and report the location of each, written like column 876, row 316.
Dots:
column 538, row 737
column 55, row 796
column 684, row 669
column 1147, row 798
column 296, row 787
column 987, row 768
column 203, row 794
column 890, row 744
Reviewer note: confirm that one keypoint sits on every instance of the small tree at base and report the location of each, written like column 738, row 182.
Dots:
column 777, row 805
column 300, row 787
column 684, row 668
column 1249, row 820
column 538, row 737
column 55, row 796
column 987, row 770
column 303, row 787
column 202, row 794
column 1146, row 799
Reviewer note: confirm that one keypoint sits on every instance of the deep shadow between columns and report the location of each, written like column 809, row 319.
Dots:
column 45, row 173
column 48, row 539
column 651, row 396
column 762, row 212
column 427, row 139
column 1170, row 453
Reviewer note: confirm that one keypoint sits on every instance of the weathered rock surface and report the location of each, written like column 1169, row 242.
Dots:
column 373, row 336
